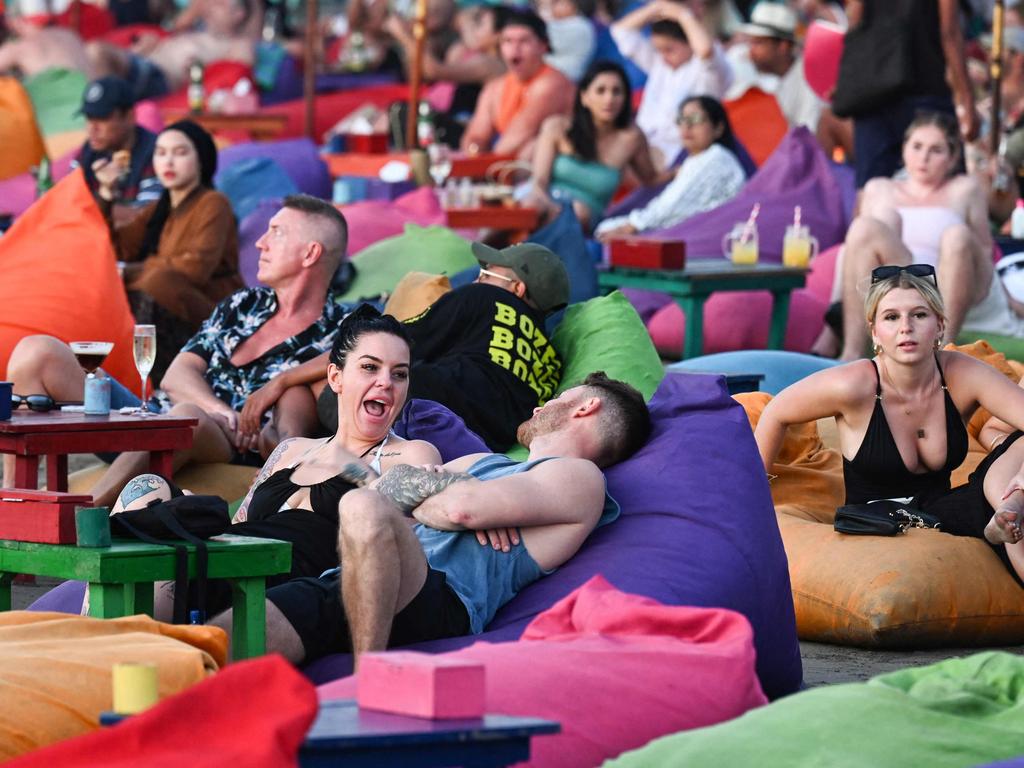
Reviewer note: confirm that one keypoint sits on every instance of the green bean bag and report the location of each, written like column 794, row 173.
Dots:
column 958, row 712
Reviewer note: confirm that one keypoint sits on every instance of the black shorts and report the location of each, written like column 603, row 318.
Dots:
column 313, row 607
column 964, row 510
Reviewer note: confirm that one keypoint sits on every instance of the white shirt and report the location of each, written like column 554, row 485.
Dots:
column 573, row 42
column 798, row 102
column 703, row 182
column 667, row 88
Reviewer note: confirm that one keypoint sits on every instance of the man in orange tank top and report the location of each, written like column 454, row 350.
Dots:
column 512, row 107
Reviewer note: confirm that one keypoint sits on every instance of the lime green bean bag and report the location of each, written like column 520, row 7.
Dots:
column 959, row 712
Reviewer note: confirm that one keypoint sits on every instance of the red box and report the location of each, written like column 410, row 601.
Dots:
column 366, row 143
column 648, row 253
column 46, row 517
column 420, row 685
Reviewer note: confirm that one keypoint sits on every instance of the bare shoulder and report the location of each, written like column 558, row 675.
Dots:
column 402, row 451
column 963, row 188
column 555, row 126
column 879, row 189
column 580, row 472
column 551, row 82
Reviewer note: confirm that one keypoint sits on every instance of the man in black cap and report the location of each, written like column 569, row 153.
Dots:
column 117, row 153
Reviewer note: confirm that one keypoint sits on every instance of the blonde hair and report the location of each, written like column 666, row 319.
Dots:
column 923, row 285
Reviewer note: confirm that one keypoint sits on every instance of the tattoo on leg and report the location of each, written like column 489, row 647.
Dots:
column 408, row 487
column 138, row 487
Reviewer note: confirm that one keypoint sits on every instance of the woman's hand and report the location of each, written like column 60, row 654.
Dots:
column 499, row 538
column 621, row 231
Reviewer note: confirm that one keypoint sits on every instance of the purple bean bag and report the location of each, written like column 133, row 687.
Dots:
column 299, row 158
column 253, row 225
column 698, row 528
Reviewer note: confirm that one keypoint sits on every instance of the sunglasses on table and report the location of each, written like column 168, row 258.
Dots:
column 891, row 270
column 38, row 403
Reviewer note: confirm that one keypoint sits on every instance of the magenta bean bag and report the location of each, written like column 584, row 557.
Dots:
column 373, row 220
column 616, row 670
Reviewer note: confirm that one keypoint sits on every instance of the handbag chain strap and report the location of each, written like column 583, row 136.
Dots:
column 909, row 520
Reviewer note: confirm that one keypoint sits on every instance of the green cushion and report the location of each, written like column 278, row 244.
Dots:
column 958, row 712
column 56, row 96
column 1010, row 346
column 605, row 334
column 436, row 250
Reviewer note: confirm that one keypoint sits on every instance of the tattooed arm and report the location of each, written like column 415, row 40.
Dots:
column 268, row 469
column 408, row 486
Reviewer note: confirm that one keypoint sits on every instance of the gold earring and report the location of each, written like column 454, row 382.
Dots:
column 877, row 348
column 938, row 343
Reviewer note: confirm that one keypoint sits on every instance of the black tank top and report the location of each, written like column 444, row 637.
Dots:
column 877, row 470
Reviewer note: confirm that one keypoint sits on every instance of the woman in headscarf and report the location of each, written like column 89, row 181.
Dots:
column 181, row 252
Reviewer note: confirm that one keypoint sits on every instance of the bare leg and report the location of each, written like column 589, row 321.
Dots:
column 294, row 416
column 870, row 242
column 964, row 274
column 382, row 567
column 1005, row 525
column 43, row 365
column 209, row 445
column 281, row 635
column 106, row 59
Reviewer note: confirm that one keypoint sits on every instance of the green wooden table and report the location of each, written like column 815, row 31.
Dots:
column 121, row 577
column 690, row 287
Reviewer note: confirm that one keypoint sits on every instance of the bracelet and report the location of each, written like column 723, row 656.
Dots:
column 772, row 478
column 997, row 439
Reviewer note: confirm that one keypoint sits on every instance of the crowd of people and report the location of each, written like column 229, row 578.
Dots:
column 391, row 546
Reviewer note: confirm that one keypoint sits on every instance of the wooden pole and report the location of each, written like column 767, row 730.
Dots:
column 419, row 32
column 309, row 68
column 996, row 72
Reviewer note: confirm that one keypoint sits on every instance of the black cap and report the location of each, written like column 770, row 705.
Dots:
column 105, row 95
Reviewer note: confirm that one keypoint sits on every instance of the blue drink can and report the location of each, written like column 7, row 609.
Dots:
column 97, row 395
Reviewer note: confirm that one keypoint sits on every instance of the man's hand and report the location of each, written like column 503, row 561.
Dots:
column 611, row 234
column 258, row 403
column 227, row 420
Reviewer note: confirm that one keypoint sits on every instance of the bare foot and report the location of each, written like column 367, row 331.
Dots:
column 1004, row 527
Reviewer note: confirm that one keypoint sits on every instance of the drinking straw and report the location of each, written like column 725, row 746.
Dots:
column 796, row 217
column 748, row 228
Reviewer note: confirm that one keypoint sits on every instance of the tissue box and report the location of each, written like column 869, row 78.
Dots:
column 46, row 517
column 647, row 253
column 368, row 143
column 421, row 685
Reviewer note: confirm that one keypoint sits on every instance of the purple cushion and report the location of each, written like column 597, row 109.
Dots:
column 435, row 423
column 249, row 231
column 298, row 157
column 797, row 173
column 684, row 538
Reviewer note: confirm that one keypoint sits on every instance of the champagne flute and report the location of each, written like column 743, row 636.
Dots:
column 440, row 163
column 144, row 350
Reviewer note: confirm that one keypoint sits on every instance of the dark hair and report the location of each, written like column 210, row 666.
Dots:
column 713, row 108
column 626, row 423
column 944, row 122
column 524, row 17
column 671, row 29
column 314, row 206
column 581, row 132
column 586, row 7
column 360, row 321
column 206, row 154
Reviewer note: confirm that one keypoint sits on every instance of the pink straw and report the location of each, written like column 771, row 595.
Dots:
column 796, row 216
column 748, row 228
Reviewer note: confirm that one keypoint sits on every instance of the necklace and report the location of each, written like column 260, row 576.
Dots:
column 906, row 406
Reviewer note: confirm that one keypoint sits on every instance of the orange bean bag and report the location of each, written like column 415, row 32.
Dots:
column 60, row 278
column 920, row 589
column 758, row 122
column 19, row 133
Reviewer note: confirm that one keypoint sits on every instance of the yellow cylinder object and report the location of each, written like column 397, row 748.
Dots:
column 135, row 687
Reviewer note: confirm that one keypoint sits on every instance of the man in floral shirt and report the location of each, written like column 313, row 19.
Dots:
column 253, row 337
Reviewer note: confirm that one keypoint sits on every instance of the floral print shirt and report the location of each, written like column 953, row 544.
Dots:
column 237, row 318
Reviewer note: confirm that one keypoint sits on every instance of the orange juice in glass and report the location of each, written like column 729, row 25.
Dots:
column 799, row 246
column 740, row 245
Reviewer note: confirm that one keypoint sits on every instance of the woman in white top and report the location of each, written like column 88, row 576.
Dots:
column 931, row 216
column 710, row 175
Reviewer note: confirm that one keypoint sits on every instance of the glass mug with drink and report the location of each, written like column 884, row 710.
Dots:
column 740, row 245
column 799, row 246
column 144, row 351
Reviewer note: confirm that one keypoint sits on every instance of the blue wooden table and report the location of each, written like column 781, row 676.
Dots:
column 345, row 735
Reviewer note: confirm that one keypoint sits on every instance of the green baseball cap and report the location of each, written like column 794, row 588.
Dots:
column 543, row 273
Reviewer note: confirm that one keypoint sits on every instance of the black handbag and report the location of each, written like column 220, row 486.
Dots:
column 881, row 518
column 876, row 66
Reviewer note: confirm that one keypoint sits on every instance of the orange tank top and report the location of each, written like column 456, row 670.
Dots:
column 513, row 95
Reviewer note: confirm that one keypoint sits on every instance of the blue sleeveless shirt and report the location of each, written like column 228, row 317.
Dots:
column 484, row 578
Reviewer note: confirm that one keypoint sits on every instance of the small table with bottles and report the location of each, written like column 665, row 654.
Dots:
column 55, row 434
column 691, row 287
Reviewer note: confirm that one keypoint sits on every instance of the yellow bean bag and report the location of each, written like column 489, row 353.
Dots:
column 920, row 589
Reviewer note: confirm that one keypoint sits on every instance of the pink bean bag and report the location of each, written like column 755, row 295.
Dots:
column 616, row 670
column 372, row 220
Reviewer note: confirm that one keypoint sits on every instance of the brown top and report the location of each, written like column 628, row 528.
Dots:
column 199, row 240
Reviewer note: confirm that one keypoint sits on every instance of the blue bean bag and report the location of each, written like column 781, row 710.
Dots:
column 299, row 158
column 780, row 369
column 249, row 182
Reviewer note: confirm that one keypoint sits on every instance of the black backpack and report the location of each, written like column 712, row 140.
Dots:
column 189, row 519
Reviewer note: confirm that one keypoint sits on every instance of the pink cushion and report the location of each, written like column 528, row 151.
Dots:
column 373, row 220
column 616, row 670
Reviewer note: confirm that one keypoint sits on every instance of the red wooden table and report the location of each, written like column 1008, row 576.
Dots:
column 362, row 164
column 261, row 126
column 493, row 217
column 57, row 433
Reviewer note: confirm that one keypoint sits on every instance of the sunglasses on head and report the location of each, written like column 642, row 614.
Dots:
column 891, row 270
column 39, row 403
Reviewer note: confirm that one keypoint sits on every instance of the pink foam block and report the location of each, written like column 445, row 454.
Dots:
column 421, row 685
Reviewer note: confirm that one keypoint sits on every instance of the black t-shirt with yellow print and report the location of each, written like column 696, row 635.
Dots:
column 483, row 352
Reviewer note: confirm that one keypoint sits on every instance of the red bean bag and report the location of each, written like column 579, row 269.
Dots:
column 616, row 670
column 60, row 278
